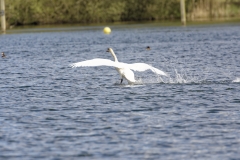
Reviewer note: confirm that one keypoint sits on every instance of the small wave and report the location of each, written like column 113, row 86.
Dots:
column 237, row 80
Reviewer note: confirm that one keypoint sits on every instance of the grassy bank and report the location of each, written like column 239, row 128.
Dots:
column 19, row 12
column 213, row 9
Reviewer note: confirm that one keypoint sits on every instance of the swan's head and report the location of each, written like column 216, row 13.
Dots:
column 113, row 54
column 109, row 50
column 148, row 48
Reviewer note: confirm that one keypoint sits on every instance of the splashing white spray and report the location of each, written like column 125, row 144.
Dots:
column 237, row 80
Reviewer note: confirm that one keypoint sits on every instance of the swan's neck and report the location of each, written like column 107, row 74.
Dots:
column 114, row 56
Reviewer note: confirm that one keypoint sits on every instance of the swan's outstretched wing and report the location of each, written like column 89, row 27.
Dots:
column 140, row 67
column 94, row 62
column 106, row 62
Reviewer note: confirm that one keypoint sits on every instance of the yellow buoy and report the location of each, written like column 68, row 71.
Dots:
column 107, row 30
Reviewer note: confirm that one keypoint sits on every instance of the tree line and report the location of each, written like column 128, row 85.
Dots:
column 21, row 12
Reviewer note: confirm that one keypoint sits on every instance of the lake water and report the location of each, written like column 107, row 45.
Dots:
column 49, row 110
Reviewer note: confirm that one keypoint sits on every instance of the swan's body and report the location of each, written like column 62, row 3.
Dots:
column 124, row 69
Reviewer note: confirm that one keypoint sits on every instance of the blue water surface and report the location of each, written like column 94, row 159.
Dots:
column 49, row 110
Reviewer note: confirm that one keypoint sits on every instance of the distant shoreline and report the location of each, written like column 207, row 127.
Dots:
column 124, row 25
column 200, row 20
column 84, row 12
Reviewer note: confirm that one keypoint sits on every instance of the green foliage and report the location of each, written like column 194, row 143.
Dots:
column 19, row 12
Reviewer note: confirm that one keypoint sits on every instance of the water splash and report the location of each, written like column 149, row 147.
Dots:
column 176, row 77
column 237, row 80
column 183, row 76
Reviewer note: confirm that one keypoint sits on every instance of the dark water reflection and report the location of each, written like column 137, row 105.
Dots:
column 51, row 111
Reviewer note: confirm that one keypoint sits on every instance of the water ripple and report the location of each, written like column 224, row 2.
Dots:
column 52, row 111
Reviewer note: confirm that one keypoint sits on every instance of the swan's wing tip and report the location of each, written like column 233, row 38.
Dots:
column 167, row 75
column 157, row 71
column 164, row 74
column 73, row 65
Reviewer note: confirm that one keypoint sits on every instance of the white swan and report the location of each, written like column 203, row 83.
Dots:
column 123, row 69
